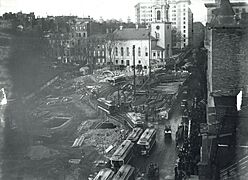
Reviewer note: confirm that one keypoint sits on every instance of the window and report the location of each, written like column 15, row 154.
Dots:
column 122, row 51
column 127, row 62
column 116, row 61
column 122, row 61
column 84, row 35
column 116, row 51
column 145, row 67
column 184, row 31
column 184, row 35
column 154, row 54
column 102, row 53
column 184, row 40
column 184, row 45
column 184, row 27
column 184, row 18
column 146, row 51
column 128, row 53
column 139, row 62
column 243, row 10
column 157, row 35
column 184, row 22
column 94, row 53
column 99, row 53
column 158, row 53
column 110, row 50
column 139, row 51
column 158, row 15
column 237, row 10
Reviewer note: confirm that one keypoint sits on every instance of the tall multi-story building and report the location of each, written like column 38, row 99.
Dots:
column 146, row 12
column 175, row 11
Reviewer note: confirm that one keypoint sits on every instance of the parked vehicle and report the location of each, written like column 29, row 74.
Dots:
column 106, row 105
column 123, row 154
column 135, row 120
column 147, row 141
column 126, row 172
column 105, row 174
column 135, row 135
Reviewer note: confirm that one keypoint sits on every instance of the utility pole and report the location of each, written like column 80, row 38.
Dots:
column 149, row 54
column 134, row 75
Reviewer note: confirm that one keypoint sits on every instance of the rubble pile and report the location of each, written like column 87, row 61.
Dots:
column 101, row 139
column 86, row 125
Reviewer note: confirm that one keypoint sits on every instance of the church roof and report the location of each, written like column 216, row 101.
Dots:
column 132, row 34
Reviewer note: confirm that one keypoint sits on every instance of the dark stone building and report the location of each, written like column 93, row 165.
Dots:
column 226, row 42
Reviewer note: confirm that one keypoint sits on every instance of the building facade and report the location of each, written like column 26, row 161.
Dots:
column 175, row 11
column 141, row 46
column 226, row 76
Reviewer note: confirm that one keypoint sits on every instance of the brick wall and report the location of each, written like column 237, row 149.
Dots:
column 226, row 68
column 243, row 58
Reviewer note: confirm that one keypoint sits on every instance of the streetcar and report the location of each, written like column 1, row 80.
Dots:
column 147, row 141
column 135, row 135
column 105, row 174
column 106, row 105
column 126, row 172
column 135, row 120
column 122, row 155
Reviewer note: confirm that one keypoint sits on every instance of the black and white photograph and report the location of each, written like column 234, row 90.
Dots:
column 123, row 90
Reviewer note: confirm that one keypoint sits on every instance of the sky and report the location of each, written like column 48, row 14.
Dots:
column 107, row 9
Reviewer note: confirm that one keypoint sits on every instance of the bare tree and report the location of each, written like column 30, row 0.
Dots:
column 177, row 37
column 111, row 44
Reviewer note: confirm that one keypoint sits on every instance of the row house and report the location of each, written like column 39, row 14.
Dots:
column 96, row 46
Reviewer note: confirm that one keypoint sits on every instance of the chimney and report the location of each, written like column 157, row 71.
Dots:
column 121, row 27
column 136, row 26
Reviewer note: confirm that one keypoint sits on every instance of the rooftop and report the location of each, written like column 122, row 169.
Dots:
column 132, row 34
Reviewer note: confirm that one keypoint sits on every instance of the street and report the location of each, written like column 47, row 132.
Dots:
column 163, row 153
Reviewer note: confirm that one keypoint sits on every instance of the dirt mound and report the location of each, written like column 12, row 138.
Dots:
column 101, row 139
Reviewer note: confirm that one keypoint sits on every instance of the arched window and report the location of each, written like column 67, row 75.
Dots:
column 128, row 53
column 139, row 51
column 116, row 51
column 158, row 15
column 122, row 51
